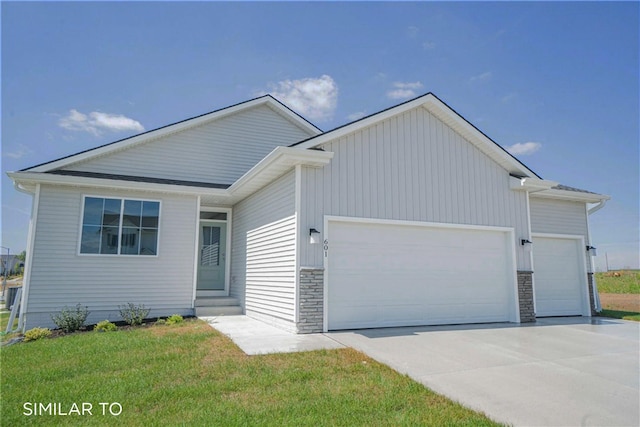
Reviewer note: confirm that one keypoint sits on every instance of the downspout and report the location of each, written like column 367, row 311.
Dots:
column 597, row 207
column 24, row 303
column 594, row 284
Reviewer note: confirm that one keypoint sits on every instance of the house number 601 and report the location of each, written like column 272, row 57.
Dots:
column 325, row 247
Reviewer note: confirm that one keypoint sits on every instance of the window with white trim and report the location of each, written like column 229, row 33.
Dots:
column 119, row 226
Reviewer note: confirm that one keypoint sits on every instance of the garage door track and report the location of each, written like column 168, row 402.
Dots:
column 558, row 371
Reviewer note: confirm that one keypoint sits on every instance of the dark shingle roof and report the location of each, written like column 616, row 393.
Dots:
column 567, row 188
column 139, row 179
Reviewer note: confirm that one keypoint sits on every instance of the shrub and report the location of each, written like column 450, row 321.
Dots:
column 70, row 320
column 173, row 319
column 133, row 314
column 161, row 321
column 37, row 334
column 105, row 326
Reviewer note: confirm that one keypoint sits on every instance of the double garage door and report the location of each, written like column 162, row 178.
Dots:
column 383, row 274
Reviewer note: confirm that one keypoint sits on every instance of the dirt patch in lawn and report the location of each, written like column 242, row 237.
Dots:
column 621, row 302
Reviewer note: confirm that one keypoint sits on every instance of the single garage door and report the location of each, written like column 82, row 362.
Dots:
column 559, row 276
column 391, row 274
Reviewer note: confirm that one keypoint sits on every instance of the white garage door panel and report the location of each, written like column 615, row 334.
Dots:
column 559, row 276
column 401, row 275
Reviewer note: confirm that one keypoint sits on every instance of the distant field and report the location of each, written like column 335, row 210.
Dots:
column 619, row 282
column 620, row 294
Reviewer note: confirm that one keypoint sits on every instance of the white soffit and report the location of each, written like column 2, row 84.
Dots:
column 576, row 196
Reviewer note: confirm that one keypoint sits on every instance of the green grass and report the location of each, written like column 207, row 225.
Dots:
column 189, row 374
column 4, row 320
column 627, row 283
column 618, row 314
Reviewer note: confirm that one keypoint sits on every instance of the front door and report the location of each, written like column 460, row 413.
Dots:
column 212, row 256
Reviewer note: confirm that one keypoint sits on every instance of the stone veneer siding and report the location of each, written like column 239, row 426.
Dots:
column 592, row 303
column 311, row 300
column 525, row 296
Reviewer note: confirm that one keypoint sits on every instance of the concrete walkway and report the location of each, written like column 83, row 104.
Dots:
column 256, row 337
column 556, row 372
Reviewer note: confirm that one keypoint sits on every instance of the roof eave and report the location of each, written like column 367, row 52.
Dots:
column 530, row 184
column 574, row 196
column 274, row 165
column 27, row 179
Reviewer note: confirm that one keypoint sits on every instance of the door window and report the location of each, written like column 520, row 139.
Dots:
column 210, row 250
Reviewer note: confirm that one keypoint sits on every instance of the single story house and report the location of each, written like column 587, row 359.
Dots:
column 410, row 216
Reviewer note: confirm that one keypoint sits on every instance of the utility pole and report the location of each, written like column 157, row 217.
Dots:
column 5, row 263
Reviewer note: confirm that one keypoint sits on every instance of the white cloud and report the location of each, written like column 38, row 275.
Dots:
column 523, row 148
column 428, row 45
column 509, row 97
column 412, row 31
column 355, row 116
column 315, row 98
column 404, row 90
column 20, row 152
column 97, row 122
column 481, row 77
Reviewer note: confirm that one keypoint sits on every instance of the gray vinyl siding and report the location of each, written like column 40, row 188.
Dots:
column 267, row 220
column 554, row 216
column 410, row 167
column 61, row 277
column 558, row 216
column 271, row 269
column 217, row 152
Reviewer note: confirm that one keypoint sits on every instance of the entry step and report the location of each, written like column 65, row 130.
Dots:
column 216, row 301
column 223, row 310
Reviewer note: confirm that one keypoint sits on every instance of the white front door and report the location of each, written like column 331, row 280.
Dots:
column 212, row 256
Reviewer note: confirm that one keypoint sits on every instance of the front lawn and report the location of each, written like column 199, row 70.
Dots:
column 189, row 374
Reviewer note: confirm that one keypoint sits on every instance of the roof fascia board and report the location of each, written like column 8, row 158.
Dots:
column 285, row 158
column 573, row 196
column 530, row 184
column 276, row 163
column 174, row 128
column 481, row 141
column 443, row 112
column 297, row 119
column 26, row 179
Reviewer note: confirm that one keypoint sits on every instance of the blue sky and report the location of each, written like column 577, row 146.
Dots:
column 556, row 83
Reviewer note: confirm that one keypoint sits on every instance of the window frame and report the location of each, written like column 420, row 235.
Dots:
column 120, row 227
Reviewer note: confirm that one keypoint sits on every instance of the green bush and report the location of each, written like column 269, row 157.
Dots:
column 173, row 319
column 133, row 314
column 70, row 320
column 161, row 321
column 37, row 334
column 105, row 326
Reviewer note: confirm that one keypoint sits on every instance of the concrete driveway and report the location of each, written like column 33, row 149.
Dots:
column 558, row 371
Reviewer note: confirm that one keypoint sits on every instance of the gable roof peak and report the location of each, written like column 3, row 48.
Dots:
column 443, row 112
column 153, row 134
